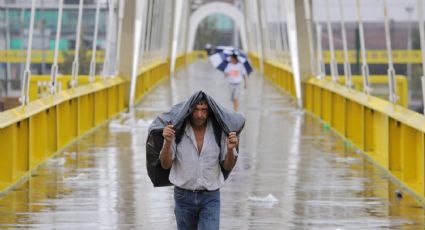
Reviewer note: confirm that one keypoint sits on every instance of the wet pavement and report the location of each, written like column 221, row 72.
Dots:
column 293, row 173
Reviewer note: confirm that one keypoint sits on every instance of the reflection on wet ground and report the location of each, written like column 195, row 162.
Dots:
column 293, row 173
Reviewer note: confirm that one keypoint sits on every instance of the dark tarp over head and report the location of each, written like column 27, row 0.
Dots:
column 224, row 120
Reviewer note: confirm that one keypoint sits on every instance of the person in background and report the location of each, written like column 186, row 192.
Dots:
column 235, row 74
column 208, row 48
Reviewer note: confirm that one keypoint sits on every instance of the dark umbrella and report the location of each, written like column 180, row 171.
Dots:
column 221, row 58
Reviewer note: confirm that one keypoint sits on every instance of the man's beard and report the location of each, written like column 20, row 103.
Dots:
column 199, row 122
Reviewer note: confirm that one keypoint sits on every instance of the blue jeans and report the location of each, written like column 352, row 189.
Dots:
column 197, row 210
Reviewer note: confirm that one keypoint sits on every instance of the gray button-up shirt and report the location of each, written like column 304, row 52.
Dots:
column 191, row 170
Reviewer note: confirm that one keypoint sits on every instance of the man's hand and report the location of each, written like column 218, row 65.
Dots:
column 232, row 141
column 230, row 160
column 168, row 133
column 165, row 155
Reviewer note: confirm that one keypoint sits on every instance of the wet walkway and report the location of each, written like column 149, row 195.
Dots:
column 319, row 180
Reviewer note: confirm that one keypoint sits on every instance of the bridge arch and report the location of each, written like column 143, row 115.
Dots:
column 217, row 8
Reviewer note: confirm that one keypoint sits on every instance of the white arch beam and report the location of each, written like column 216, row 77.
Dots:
column 217, row 8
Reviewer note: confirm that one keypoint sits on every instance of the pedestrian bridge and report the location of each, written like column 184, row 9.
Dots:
column 316, row 152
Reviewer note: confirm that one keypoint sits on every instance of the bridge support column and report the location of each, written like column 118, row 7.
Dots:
column 260, row 35
column 299, row 44
column 303, row 42
column 129, row 51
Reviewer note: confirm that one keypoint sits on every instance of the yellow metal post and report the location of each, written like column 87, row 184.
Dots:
column 381, row 127
column 395, row 148
column 339, row 114
column 38, row 139
column 368, row 134
column 354, row 123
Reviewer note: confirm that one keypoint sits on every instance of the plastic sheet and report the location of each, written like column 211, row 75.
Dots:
column 225, row 120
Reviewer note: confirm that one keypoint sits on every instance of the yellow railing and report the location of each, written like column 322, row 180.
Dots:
column 255, row 60
column 196, row 55
column 376, row 56
column 149, row 76
column 31, row 134
column 39, row 84
column 186, row 59
column 180, row 61
column 391, row 135
column 40, row 56
column 379, row 85
column 373, row 56
column 280, row 75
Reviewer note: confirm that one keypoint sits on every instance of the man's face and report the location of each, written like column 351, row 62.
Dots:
column 200, row 114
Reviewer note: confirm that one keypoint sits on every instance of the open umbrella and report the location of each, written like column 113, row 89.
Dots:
column 221, row 58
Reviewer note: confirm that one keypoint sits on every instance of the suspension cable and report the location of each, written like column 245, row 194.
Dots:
column 7, row 43
column 77, row 46
column 54, row 71
column 284, row 34
column 365, row 68
column 107, row 61
column 120, row 20
column 27, row 73
column 333, row 65
column 422, row 39
column 391, row 72
column 94, row 45
column 347, row 67
column 421, row 33
column 320, row 64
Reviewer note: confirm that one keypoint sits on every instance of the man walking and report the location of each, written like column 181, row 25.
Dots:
column 196, row 161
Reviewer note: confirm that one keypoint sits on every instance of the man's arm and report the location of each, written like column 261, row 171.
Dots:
column 165, row 155
column 230, row 159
